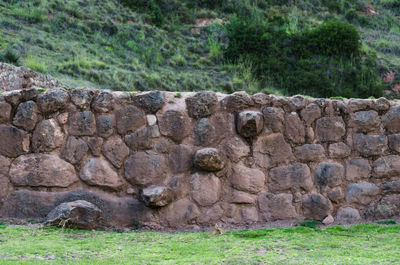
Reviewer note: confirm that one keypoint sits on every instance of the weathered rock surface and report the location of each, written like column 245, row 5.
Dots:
column 294, row 128
column 293, row 176
column 82, row 123
column 329, row 174
column 150, row 101
column 362, row 193
column 156, row 196
column 311, row 113
column 277, row 207
column 348, row 215
column 330, row 129
column 391, row 120
column 237, row 101
column 5, row 112
column 247, row 179
column 205, row 188
column 52, row 100
column 316, row 207
column 366, row 121
column 202, row 104
column 387, row 166
column 104, row 102
column 77, row 214
column 74, row 150
column 47, row 136
column 275, row 147
column 13, row 141
column 174, row 124
column 42, row 170
column 209, row 159
column 116, row 151
column 105, row 125
column 357, row 168
column 388, row 207
column 129, row 119
column 339, row 150
column 370, row 145
column 274, row 118
column 82, row 97
column 26, row 116
column 98, row 172
column 249, row 123
column 310, row 152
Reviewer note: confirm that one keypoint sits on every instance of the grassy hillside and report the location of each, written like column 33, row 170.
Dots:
column 280, row 46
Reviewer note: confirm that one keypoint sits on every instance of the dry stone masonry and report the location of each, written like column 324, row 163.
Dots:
column 102, row 158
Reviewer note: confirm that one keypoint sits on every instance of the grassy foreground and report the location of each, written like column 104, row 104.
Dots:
column 360, row 244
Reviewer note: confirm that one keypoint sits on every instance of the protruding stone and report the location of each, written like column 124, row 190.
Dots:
column 339, row 150
column 330, row 129
column 156, row 196
column 82, row 123
column 362, row 193
column 74, row 150
column 52, row 100
column 274, row 147
column 116, row 151
column 370, row 145
column 294, row 128
column 105, row 125
column 98, row 172
column 348, row 215
column 145, row 168
column 310, row 152
column 311, row 113
column 205, row 188
column 181, row 159
column 237, row 101
column 328, row 174
column 95, row 144
column 129, row 119
column 387, row 166
column 292, row 176
column 202, row 104
column 13, row 141
column 394, row 142
column 247, row 179
column 104, row 102
column 47, row 136
column 78, row 214
column 277, row 207
column 140, row 139
column 5, row 112
column 151, row 101
column 249, row 123
column 26, row 116
column 42, row 170
column 174, row 124
column 209, row 159
column 391, row 120
column 328, row 220
column 357, row 168
column 316, row 207
column 82, row 97
column 273, row 119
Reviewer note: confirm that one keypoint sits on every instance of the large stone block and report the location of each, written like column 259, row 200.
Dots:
column 156, row 196
column 140, row 139
column 310, row 152
column 5, row 112
column 47, row 136
column 74, row 150
column 277, row 207
column 366, row 121
column 145, row 168
column 394, row 142
column 237, row 101
column 274, row 118
column 52, row 100
column 180, row 213
column 348, row 215
column 13, row 141
column 370, row 145
column 311, row 113
column 209, row 159
column 151, row 101
column 4, row 165
column 391, row 120
column 205, row 188
column 249, row 123
column 181, row 159
column 129, row 119
column 387, row 166
column 202, row 104
column 330, row 129
column 174, row 124
column 82, row 97
column 205, row 133
column 328, row 174
column 82, row 123
column 104, row 102
column 275, row 147
column 116, row 151
column 98, row 172
column 339, row 150
column 357, row 168
column 361, row 193
column 235, row 148
column 105, row 125
column 42, row 170
column 26, row 116
column 247, row 179
column 287, row 177
column 388, row 207
column 316, row 207
column 294, row 128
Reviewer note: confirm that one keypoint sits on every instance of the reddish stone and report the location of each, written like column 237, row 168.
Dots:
column 292, row 176
column 129, row 119
column 47, row 136
column 277, row 207
column 330, row 129
column 174, row 124
column 205, row 188
column 247, row 179
column 74, row 150
column 116, row 151
column 98, row 172
column 13, row 142
column 82, row 123
column 294, row 128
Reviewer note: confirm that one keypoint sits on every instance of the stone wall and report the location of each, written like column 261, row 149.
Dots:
column 163, row 160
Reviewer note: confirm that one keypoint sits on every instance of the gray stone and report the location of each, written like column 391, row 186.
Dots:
column 366, row 121
column 362, row 193
column 98, row 172
column 151, row 101
column 140, row 139
column 389, row 187
column 82, row 97
column 209, row 159
column 104, row 102
column 52, row 100
column 394, row 142
column 292, row 176
column 129, row 119
column 316, row 207
column 5, row 112
column 381, row 104
column 294, row 128
column 204, row 133
column 357, row 168
column 310, row 152
column 335, row 194
column 202, row 104
column 105, row 125
column 205, row 188
column 328, row 174
column 387, row 166
column 311, row 113
column 156, row 196
column 26, row 116
column 391, row 120
column 78, row 214
column 339, row 150
column 370, row 145
column 237, row 101
column 273, row 118
column 249, row 123
column 82, row 123
column 95, row 144
column 74, row 150
column 116, row 151
column 277, row 207
column 388, row 207
column 356, row 104
column 174, row 124
column 47, row 136
column 348, row 215
column 330, row 129
column 13, row 141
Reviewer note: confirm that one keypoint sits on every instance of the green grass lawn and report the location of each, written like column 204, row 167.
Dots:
column 359, row 244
